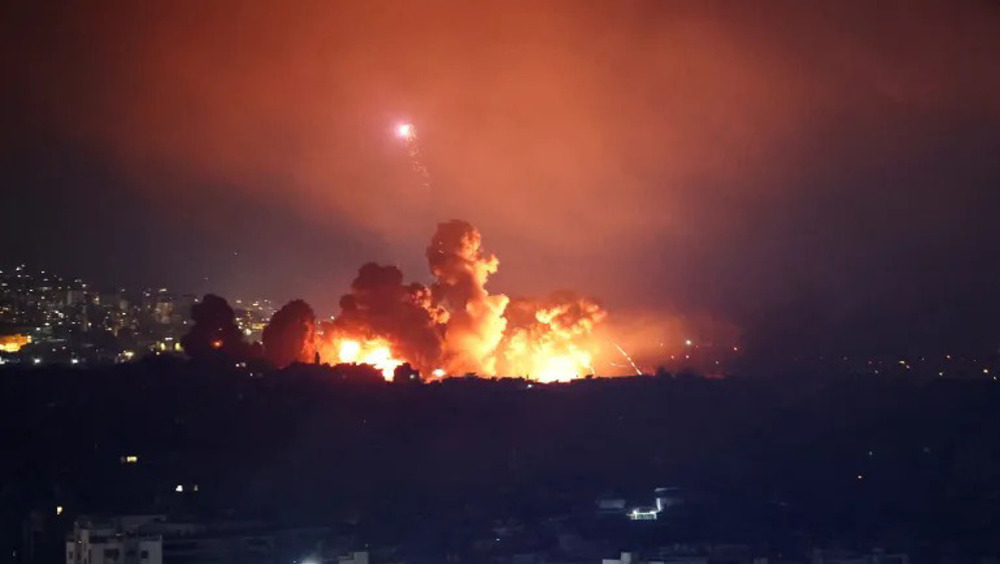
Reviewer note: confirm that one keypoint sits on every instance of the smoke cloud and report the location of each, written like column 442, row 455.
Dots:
column 381, row 307
column 475, row 324
column 456, row 326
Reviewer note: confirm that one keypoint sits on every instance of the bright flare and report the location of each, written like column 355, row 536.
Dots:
column 408, row 134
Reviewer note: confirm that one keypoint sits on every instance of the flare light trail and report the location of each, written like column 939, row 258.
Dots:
column 408, row 133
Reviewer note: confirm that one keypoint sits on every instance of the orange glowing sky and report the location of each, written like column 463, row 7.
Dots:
column 678, row 155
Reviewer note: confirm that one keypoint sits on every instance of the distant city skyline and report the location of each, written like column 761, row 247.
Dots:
column 46, row 318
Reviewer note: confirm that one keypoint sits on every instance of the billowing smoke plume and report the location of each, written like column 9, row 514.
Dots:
column 381, row 308
column 476, row 324
column 455, row 326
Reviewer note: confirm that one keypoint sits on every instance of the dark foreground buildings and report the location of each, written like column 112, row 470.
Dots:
column 198, row 463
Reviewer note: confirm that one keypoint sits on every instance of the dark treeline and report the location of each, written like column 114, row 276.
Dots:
column 847, row 458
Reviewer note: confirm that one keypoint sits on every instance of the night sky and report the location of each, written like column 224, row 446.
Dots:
column 822, row 175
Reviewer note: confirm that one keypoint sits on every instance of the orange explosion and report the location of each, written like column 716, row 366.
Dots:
column 551, row 340
column 456, row 326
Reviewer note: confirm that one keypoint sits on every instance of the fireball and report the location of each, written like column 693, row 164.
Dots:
column 551, row 340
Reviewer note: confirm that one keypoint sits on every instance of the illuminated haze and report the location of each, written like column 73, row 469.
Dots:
column 817, row 173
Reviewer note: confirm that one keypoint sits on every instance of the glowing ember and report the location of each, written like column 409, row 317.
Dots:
column 405, row 130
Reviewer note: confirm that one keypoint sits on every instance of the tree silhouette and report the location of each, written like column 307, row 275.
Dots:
column 214, row 332
column 405, row 373
column 291, row 335
column 358, row 373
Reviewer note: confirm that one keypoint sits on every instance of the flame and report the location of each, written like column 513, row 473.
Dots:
column 13, row 343
column 455, row 325
column 375, row 352
column 546, row 360
column 349, row 351
column 553, row 343
column 561, row 367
